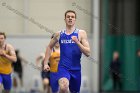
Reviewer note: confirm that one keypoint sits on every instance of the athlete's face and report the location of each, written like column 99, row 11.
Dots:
column 2, row 39
column 70, row 19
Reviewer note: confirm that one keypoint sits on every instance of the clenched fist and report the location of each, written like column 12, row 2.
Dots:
column 2, row 53
column 46, row 67
column 75, row 39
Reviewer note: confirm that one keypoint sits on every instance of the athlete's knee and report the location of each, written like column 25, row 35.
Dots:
column 64, row 84
column 46, row 81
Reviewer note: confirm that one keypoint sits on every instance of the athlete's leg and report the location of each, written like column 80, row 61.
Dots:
column 15, row 84
column 54, row 82
column 46, row 81
column 46, row 85
column 7, row 83
column 75, row 81
column 63, row 79
column 64, row 85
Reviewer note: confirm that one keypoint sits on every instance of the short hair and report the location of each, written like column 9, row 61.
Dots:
column 72, row 11
column 2, row 33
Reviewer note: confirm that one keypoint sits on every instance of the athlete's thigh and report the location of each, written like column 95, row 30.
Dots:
column 63, row 73
column 75, row 81
column 7, row 81
column 54, row 82
column 63, row 77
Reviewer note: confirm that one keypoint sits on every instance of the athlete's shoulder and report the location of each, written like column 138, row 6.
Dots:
column 10, row 49
column 9, row 46
column 81, row 32
column 57, row 34
column 62, row 31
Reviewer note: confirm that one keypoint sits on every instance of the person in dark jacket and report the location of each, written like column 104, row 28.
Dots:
column 18, row 68
column 115, row 67
column 18, row 65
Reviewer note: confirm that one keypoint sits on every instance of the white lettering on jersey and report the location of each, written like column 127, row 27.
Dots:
column 67, row 41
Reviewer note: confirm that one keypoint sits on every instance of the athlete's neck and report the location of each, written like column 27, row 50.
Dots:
column 69, row 29
column 2, row 45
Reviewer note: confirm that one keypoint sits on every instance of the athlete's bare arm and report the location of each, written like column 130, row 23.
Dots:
column 39, row 59
column 49, row 48
column 82, row 42
column 11, row 53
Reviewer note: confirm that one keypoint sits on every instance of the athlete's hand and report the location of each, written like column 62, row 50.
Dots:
column 46, row 67
column 75, row 39
column 2, row 53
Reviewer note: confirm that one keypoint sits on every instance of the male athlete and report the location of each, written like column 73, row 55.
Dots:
column 73, row 42
column 7, row 56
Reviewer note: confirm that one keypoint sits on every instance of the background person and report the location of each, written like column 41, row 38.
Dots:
column 7, row 56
